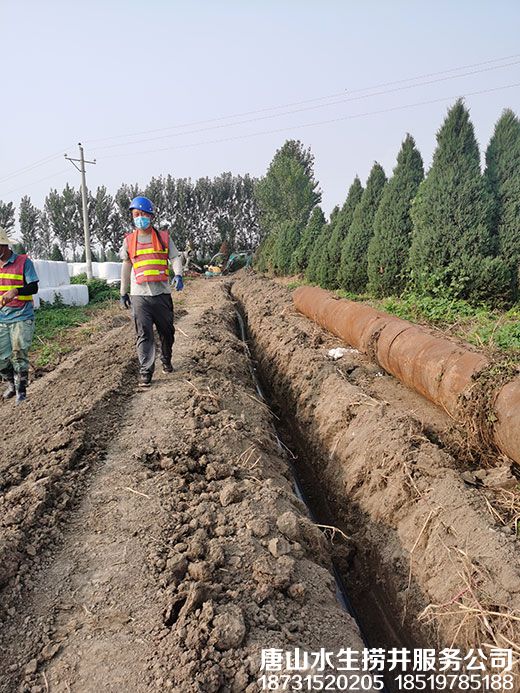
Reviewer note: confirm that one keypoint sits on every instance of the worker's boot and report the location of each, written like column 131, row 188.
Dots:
column 8, row 376
column 145, row 380
column 21, row 381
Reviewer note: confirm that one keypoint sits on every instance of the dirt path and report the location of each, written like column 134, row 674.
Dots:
column 152, row 540
column 104, row 608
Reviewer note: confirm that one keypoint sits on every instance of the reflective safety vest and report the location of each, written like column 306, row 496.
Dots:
column 149, row 260
column 11, row 277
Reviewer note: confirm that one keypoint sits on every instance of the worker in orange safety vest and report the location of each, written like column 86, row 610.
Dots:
column 18, row 283
column 145, row 287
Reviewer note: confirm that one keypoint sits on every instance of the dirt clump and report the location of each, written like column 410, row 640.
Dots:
column 66, row 423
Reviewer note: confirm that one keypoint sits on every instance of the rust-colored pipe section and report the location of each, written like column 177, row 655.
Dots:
column 435, row 367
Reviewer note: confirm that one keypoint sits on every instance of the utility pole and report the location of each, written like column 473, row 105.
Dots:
column 86, row 230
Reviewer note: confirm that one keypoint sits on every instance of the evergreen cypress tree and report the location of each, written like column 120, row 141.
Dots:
column 331, row 257
column 353, row 270
column 390, row 245
column 319, row 248
column 56, row 253
column 264, row 254
column 502, row 176
column 300, row 257
column 311, row 272
column 288, row 235
column 452, row 215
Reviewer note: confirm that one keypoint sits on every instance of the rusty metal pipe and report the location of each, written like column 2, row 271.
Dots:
column 435, row 367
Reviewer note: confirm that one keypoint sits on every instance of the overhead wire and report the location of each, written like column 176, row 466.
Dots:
column 36, row 164
column 40, row 180
column 305, row 101
column 312, row 124
column 305, row 109
column 52, row 157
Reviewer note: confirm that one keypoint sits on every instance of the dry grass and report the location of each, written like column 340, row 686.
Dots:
column 476, row 619
column 331, row 530
column 478, row 415
column 504, row 507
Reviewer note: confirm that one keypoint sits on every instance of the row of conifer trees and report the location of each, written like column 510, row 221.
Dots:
column 455, row 229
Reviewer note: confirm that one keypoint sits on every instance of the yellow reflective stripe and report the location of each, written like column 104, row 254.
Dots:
column 148, row 273
column 8, row 287
column 142, row 263
column 23, row 298
column 4, row 275
column 150, row 251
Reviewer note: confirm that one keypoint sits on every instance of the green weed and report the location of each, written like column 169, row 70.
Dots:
column 479, row 325
column 98, row 289
column 53, row 321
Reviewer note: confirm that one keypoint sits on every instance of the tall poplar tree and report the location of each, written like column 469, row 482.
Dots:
column 29, row 218
column 7, row 210
column 286, row 196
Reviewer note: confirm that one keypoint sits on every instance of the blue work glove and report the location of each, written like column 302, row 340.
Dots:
column 178, row 283
column 125, row 301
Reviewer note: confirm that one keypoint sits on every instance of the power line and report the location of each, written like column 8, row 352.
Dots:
column 52, row 157
column 30, row 167
column 308, row 108
column 313, row 124
column 278, row 130
column 306, row 101
column 40, row 180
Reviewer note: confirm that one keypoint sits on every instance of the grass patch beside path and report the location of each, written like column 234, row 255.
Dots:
column 53, row 323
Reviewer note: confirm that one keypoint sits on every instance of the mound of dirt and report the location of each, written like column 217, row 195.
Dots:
column 48, row 444
column 425, row 539
column 187, row 551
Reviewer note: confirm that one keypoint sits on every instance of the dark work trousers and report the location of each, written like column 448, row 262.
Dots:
column 149, row 311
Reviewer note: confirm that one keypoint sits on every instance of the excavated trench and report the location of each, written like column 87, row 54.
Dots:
column 306, row 485
column 367, row 602
column 186, row 553
column 425, row 562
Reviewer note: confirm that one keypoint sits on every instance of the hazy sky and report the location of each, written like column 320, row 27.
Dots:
column 87, row 71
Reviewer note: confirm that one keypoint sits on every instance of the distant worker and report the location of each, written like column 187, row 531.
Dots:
column 225, row 251
column 18, row 284
column 188, row 256
column 145, row 254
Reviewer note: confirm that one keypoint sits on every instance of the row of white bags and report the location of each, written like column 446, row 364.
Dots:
column 55, row 276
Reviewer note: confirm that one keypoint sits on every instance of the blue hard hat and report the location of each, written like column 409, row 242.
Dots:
column 142, row 203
